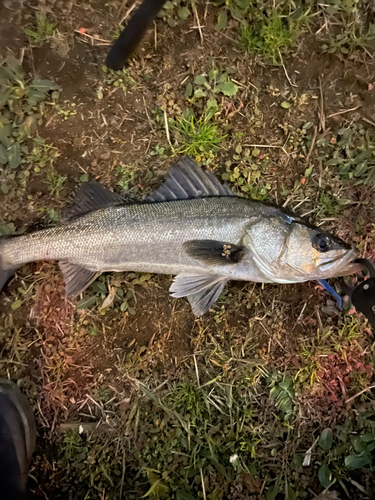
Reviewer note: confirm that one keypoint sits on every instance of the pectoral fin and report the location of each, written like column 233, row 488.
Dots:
column 76, row 278
column 214, row 252
column 202, row 290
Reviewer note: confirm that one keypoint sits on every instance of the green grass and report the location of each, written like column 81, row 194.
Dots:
column 21, row 110
column 120, row 79
column 42, row 32
column 55, row 183
column 354, row 38
column 271, row 38
column 196, row 136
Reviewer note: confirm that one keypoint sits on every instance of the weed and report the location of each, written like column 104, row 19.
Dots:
column 190, row 402
column 112, row 295
column 351, row 151
column 41, row 155
column 357, row 37
column 329, row 205
column 342, row 450
column 117, row 79
column 126, row 177
column 43, row 31
column 21, row 107
column 212, row 83
column 66, row 110
column 71, row 444
column 51, row 215
column 175, row 12
column 282, row 391
column 246, row 171
column 159, row 151
column 237, row 9
column 311, row 355
column 55, row 183
column 272, row 38
column 116, row 31
column 104, row 394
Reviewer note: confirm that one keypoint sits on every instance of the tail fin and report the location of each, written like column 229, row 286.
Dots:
column 133, row 33
column 5, row 273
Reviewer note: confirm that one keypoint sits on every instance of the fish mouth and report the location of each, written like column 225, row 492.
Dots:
column 342, row 265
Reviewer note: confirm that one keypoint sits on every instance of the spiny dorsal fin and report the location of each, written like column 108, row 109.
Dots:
column 187, row 180
column 91, row 196
column 76, row 278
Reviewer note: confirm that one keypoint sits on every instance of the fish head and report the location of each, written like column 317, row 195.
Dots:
column 287, row 249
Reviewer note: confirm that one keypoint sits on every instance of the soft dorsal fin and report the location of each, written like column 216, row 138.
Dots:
column 91, row 196
column 187, row 180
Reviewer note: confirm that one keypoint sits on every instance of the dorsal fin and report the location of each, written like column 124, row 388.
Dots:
column 91, row 196
column 187, row 180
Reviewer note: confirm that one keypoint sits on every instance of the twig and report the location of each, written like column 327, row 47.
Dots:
column 312, row 144
column 343, row 111
column 203, row 486
column 266, row 146
column 94, row 38
column 319, row 320
column 286, row 73
column 148, row 116
column 321, row 111
column 128, row 12
column 368, row 121
column 155, row 37
column 87, row 427
column 359, row 393
column 196, row 369
column 193, row 4
column 167, row 128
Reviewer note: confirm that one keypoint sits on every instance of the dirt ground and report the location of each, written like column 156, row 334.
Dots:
column 140, row 398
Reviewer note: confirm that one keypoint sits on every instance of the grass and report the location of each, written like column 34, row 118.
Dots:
column 274, row 38
column 43, row 31
column 55, row 183
column 357, row 37
column 22, row 106
column 197, row 137
column 118, row 79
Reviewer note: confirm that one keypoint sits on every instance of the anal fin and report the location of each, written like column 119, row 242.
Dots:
column 76, row 278
column 202, row 290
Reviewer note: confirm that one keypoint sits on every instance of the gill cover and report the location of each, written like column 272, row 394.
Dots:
column 286, row 249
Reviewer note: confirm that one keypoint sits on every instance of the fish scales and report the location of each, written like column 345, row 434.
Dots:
column 140, row 237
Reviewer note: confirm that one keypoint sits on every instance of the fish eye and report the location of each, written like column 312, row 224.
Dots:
column 321, row 242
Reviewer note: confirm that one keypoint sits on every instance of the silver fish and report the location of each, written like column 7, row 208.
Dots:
column 193, row 227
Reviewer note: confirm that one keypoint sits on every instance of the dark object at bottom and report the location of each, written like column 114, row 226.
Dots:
column 132, row 34
column 17, row 441
column 363, row 295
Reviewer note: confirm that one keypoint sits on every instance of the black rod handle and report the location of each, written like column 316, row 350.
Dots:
column 132, row 34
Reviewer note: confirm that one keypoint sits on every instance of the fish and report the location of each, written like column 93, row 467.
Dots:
column 192, row 227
